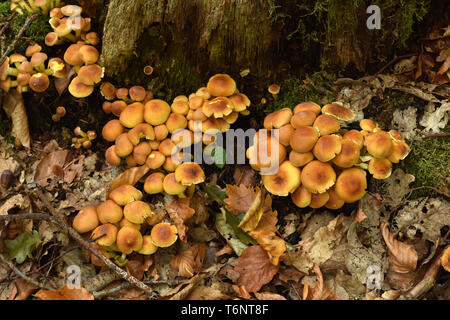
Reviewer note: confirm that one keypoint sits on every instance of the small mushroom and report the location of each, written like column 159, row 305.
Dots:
column 164, row 234
column 86, row 220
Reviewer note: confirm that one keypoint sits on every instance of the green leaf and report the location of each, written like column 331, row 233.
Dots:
column 22, row 247
column 219, row 156
column 215, row 193
column 228, row 233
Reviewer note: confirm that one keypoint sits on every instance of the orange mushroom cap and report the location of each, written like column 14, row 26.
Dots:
column 351, row 184
column 318, row 176
column 164, row 234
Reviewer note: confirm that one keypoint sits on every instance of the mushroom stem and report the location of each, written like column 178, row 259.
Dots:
column 25, row 6
column 190, row 190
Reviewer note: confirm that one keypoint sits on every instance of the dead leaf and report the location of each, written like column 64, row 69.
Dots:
column 50, row 169
column 402, row 256
column 24, row 289
column 268, row 296
column 190, row 260
column 206, row 293
column 435, row 119
column 135, row 268
column 319, row 292
column 244, row 175
column 16, row 201
column 269, row 241
column 64, row 293
column 239, row 198
column 130, row 176
column 179, row 212
column 255, row 268
column 15, row 109
column 253, row 214
column 62, row 83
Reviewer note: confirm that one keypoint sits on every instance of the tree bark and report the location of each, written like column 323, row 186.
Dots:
column 196, row 35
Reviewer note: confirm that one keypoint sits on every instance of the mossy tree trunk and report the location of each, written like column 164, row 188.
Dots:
column 180, row 38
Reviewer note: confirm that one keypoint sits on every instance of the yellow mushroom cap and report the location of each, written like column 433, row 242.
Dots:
column 108, row 90
column 301, row 197
column 154, row 183
column 379, row 144
column 148, row 246
column 380, row 168
column 141, row 152
column 339, row 111
column 400, row 151
column 181, row 107
column 326, row 124
column 117, row 107
column 124, row 147
column 319, row 199
column 348, row 156
column 128, row 240
column 351, row 184
column 217, row 107
column 125, row 194
column 368, row 125
column 303, row 139
column 86, row 220
column 156, row 112
column 111, row 156
column 318, row 176
column 172, row 186
column 221, row 85
column 300, row 159
column 132, row 115
column 78, row 89
column 189, row 173
column 285, row 133
column 307, row 106
column 125, row 223
column 278, row 118
column 110, row 234
column 39, row 82
column 355, row 136
column 161, row 132
column 203, row 93
column 176, row 121
column 137, row 211
column 445, row 259
column 155, row 160
column 240, row 102
column 334, row 202
column 91, row 74
column 137, row 93
column 395, row 135
column 109, row 212
column 164, row 234
column 141, row 130
column 285, row 181
column 327, row 147
column 274, row 89
column 265, row 152
column 112, row 130
column 303, row 118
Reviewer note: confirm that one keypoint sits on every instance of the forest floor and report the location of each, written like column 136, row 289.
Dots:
column 400, row 227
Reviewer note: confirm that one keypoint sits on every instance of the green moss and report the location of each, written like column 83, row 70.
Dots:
column 317, row 88
column 35, row 32
column 428, row 162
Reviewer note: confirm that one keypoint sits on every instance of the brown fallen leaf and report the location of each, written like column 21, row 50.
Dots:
column 319, row 292
column 255, row 268
column 179, row 212
column 402, row 256
column 24, row 289
column 244, row 175
column 15, row 109
column 268, row 296
column 64, row 293
column 135, row 268
column 62, row 83
column 206, row 293
column 189, row 260
column 253, row 214
column 50, row 169
column 239, row 198
column 269, row 241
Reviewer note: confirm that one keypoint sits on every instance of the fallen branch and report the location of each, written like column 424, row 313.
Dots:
column 22, row 275
column 85, row 244
column 436, row 135
column 33, row 216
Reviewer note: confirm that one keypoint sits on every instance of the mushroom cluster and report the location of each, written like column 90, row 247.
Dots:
column 84, row 139
column 320, row 163
column 124, row 224
column 34, row 6
column 150, row 131
column 34, row 69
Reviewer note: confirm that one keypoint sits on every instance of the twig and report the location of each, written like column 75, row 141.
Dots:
column 22, row 275
column 85, row 244
column 35, row 216
column 436, row 135
column 11, row 47
column 427, row 187
column 108, row 291
column 428, row 280
column 7, row 23
column 378, row 73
